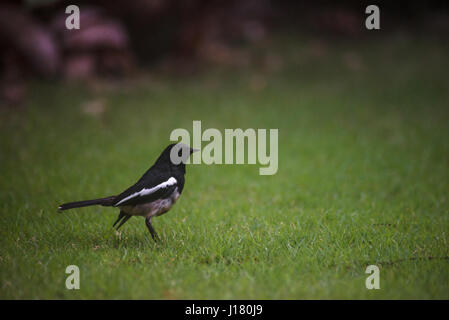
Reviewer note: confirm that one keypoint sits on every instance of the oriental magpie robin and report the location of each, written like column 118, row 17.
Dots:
column 155, row 192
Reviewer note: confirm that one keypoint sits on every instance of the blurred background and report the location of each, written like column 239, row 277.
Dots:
column 125, row 39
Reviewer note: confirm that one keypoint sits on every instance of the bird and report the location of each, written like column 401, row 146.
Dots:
column 153, row 194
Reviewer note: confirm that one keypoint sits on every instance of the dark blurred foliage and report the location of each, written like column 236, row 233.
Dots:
column 119, row 37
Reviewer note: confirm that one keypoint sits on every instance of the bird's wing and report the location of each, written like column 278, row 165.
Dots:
column 144, row 192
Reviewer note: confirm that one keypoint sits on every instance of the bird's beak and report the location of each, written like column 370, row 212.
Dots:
column 194, row 150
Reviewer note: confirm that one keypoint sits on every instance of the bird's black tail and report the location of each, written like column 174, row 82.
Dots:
column 108, row 201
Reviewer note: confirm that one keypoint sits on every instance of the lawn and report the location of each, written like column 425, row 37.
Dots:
column 363, row 179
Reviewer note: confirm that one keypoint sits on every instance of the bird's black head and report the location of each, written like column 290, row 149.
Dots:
column 175, row 156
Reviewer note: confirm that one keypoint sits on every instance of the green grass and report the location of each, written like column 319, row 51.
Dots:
column 363, row 179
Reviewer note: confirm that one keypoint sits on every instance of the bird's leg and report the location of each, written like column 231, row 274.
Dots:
column 126, row 218
column 151, row 229
column 121, row 215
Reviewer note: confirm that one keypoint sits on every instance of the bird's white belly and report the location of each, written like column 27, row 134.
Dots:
column 155, row 208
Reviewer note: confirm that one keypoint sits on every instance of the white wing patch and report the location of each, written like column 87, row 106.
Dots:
column 145, row 191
